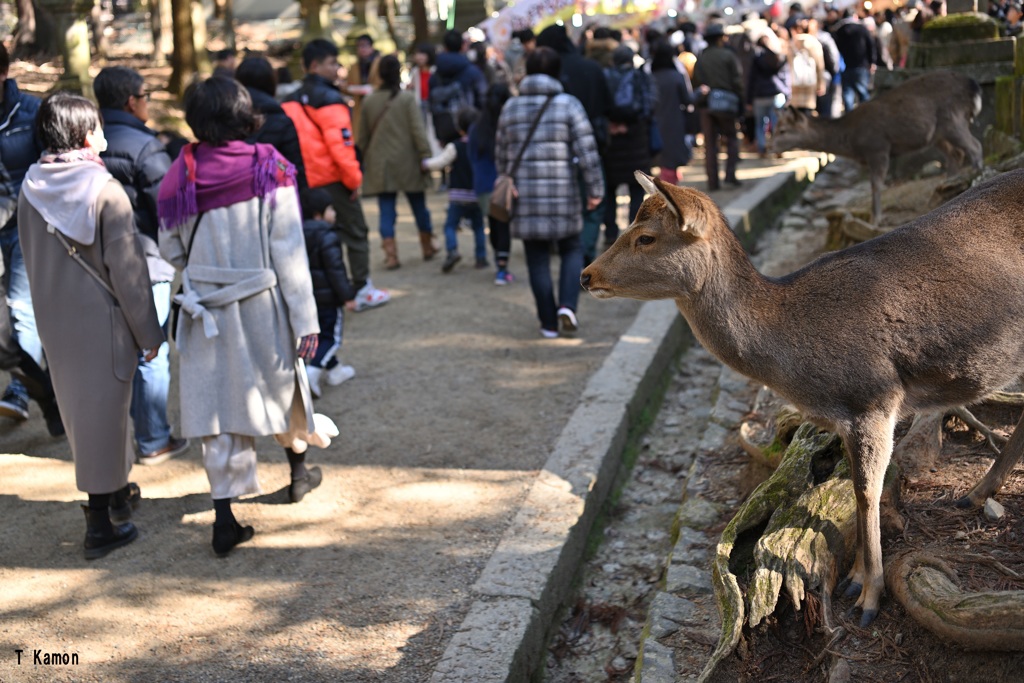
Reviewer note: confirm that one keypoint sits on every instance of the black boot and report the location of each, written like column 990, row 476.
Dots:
column 123, row 502
column 227, row 532
column 226, row 535
column 101, row 536
column 303, row 480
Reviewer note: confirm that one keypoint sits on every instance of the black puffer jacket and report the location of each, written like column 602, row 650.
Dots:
column 279, row 131
column 138, row 160
column 331, row 286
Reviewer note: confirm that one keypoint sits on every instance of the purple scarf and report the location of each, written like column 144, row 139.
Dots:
column 206, row 177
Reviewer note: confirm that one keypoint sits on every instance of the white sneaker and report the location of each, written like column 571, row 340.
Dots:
column 314, row 374
column 370, row 297
column 549, row 334
column 340, row 373
column 567, row 320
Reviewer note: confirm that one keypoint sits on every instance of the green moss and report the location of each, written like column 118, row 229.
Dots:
column 954, row 28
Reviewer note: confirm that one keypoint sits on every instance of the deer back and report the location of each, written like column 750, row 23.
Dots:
column 929, row 314
column 907, row 118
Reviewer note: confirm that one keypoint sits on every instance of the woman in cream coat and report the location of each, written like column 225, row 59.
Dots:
column 230, row 222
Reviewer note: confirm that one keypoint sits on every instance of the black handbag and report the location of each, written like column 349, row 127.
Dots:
column 723, row 102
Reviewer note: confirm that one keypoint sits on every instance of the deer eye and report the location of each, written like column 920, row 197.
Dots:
column 645, row 239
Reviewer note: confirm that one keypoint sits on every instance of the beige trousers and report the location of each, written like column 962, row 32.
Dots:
column 230, row 462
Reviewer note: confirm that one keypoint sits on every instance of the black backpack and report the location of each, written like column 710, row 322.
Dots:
column 447, row 98
column 631, row 101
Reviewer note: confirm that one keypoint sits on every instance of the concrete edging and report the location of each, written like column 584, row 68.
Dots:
column 531, row 572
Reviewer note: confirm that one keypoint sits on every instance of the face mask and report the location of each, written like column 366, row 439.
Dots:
column 96, row 140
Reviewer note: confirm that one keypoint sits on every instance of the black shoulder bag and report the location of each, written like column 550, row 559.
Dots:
column 175, row 306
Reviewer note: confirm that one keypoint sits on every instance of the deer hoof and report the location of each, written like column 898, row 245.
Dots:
column 867, row 617
column 853, row 590
column 964, row 503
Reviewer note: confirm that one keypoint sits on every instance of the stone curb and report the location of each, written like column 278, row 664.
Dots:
column 532, row 569
column 530, row 573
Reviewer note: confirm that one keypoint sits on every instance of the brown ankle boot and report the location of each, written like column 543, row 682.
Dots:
column 390, row 254
column 428, row 245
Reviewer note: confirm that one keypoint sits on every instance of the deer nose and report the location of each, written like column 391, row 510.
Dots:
column 585, row 280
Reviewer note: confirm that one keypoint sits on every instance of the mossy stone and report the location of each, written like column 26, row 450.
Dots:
column 955, row 28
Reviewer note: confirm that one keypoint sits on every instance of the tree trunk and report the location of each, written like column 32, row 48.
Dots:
column 199, row 37
column 35, row 38
column 318, row 23
column 419, row 20
column 228, row 16
column 100, row 44
column 183, row 56
column 389, row 21
column 71, row 18
column 163, row 32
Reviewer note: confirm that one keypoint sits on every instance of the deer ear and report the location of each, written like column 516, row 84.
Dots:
column 679, row 201
column 650, row 186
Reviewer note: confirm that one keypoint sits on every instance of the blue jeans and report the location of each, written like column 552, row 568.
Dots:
column 766, row 117
column 855, row 86
column 387, row 202
column 456, row 212
column 150, row 384
column 592, row 221
column 538, row 261
column 19, row 297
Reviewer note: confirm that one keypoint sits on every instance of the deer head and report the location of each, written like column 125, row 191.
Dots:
column 667, row 252
column 793, row 131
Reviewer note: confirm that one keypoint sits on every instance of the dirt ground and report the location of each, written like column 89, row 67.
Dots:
column 455, row 406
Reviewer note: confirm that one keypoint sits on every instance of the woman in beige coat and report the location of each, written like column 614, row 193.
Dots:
column 94, row 306
column 394, row 144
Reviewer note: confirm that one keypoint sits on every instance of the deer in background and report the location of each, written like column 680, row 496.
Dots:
column 927, row 317
column 933, row 109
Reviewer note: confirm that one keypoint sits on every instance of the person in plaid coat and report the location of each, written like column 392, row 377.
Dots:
column 549, row 208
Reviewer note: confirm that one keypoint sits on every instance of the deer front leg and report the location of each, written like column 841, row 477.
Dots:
column 870, row 448
column 998, row 472
column 879, row 165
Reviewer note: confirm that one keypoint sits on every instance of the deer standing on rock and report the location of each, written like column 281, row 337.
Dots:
column 933, row 109
column 928, row 316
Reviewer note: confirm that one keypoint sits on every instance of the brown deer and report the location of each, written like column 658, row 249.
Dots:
column 933, row 109
column 929, row 316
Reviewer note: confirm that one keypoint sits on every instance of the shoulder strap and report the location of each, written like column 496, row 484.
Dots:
column 192, row 237
column 373, row 128
column 529, row 136
column 73, row 253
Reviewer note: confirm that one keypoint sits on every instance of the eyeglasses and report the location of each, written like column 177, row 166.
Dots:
column 142, row 96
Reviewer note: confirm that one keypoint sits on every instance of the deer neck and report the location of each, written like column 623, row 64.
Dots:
column 736, row 314
column 834, row 136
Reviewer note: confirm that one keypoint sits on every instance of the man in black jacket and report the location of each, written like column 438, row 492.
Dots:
column 138, row 160
column 584, row 79
column 859, row 53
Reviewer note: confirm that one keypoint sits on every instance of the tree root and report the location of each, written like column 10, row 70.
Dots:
column 925, row 586
column 793, row 477
column 810, row 512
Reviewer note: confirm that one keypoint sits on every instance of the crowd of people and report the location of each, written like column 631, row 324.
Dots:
column 261, row 217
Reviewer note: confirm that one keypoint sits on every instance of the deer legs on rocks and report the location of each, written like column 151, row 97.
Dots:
column 999, row 471
column 869, row 443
